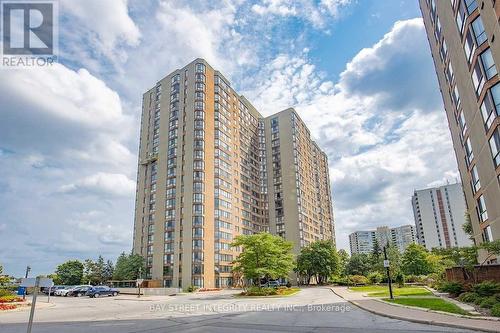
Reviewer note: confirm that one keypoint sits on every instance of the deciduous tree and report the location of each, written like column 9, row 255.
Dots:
column 263, row 256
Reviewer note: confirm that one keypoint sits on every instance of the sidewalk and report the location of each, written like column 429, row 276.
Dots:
column 414, row 315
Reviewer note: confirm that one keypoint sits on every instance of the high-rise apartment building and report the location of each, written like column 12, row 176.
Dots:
column 439, row 216
column 211, row 167
column 400, row 237
column 462, row 36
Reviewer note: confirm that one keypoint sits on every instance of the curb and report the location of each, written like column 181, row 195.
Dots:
column 420, row 321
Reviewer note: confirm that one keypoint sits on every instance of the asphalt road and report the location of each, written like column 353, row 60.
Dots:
column 311, row 310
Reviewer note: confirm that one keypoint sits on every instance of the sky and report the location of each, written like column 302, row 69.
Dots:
column 359, row 73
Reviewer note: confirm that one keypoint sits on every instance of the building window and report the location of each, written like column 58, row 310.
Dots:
column 487, row 234
column 479, row 32
column 456, row 96
column 490, row 106
column 200, row 68
column 476, row 184
column 461, row 16
column 471, row 5
column 495, row 147
column 468, row 151
column 478, row 78
column 481, row 209
column 488, row 63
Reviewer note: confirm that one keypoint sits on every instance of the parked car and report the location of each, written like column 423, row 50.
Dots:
column 78, row 291
column 52, row 290
column 101, row 291
column 64, row 291
column 270, row 284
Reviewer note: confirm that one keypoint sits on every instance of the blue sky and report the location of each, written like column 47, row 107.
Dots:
column 359, row 73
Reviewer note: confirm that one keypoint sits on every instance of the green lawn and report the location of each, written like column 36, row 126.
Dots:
column 433, row 303
column 383, row 291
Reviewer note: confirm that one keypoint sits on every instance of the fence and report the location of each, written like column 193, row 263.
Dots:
column 478, row 274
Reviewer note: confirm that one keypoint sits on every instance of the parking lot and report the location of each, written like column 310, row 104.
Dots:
column 312, row 309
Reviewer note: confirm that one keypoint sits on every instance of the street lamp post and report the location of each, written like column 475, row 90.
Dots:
column 28, row 269
column 386, row 265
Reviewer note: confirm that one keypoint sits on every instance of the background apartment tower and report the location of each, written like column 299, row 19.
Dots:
column 300, row 205
column 400, row 237
column 439, row 216
column 203, row 179
column 462, row 36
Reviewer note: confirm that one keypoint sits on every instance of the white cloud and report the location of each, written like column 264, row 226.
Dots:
column 109, row 183
column 315, row 13
column 107, row 22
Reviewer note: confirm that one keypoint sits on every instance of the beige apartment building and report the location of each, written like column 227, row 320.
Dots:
column 211, row 167
column 466, row 55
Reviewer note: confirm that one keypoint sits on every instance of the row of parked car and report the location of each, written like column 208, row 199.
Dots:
column 81, row 290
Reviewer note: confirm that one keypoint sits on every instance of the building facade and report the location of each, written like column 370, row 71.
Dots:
column 364, row 241
column 462, row 35
column 439, row 216
column 211, row 167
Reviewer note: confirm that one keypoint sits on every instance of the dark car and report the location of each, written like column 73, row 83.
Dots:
column 79, row 291
column 101, row 291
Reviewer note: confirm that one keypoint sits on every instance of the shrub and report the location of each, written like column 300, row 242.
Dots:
column 256, row 291
column 488, row 302
column 10, row 299
column 191, row 289
column 358, row 279
column 375, row 277
column 5, row 292
column 495, row 310
column 416, row 278
column 400, row 279
column 487, row 288
column 453, row 288
column 468, row 297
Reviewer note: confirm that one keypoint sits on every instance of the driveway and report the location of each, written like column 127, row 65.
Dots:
column 311, row 310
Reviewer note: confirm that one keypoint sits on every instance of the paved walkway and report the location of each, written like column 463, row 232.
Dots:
column 414, row 315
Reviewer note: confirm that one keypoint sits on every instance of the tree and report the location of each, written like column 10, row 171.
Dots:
column 467, row 226
column 128, row 267
column 343, row 261
column 263, row 256
column 55, row 278
column 359, row 264
column 318, row 259
column 70, row 272
column 3, row 278
column 415, row 261
column 107, row 273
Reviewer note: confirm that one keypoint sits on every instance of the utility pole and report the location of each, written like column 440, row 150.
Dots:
column 386, row 265
column 28, row 269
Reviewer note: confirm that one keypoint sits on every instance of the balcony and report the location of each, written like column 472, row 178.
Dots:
column 151, row 157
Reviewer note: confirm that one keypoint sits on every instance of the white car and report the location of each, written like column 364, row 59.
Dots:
column 64, row 291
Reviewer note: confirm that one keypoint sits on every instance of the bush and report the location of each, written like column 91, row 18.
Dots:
column 5, row 292
column 468, row 297
column 256, row 291
column 495, row 310
column 191, row 289
column 487, row 288
column 453, row 288
column 488, row 302
column 400, row 279
column 416, row 278
column 10, row 299
column 375, row 277
column 357, row 279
